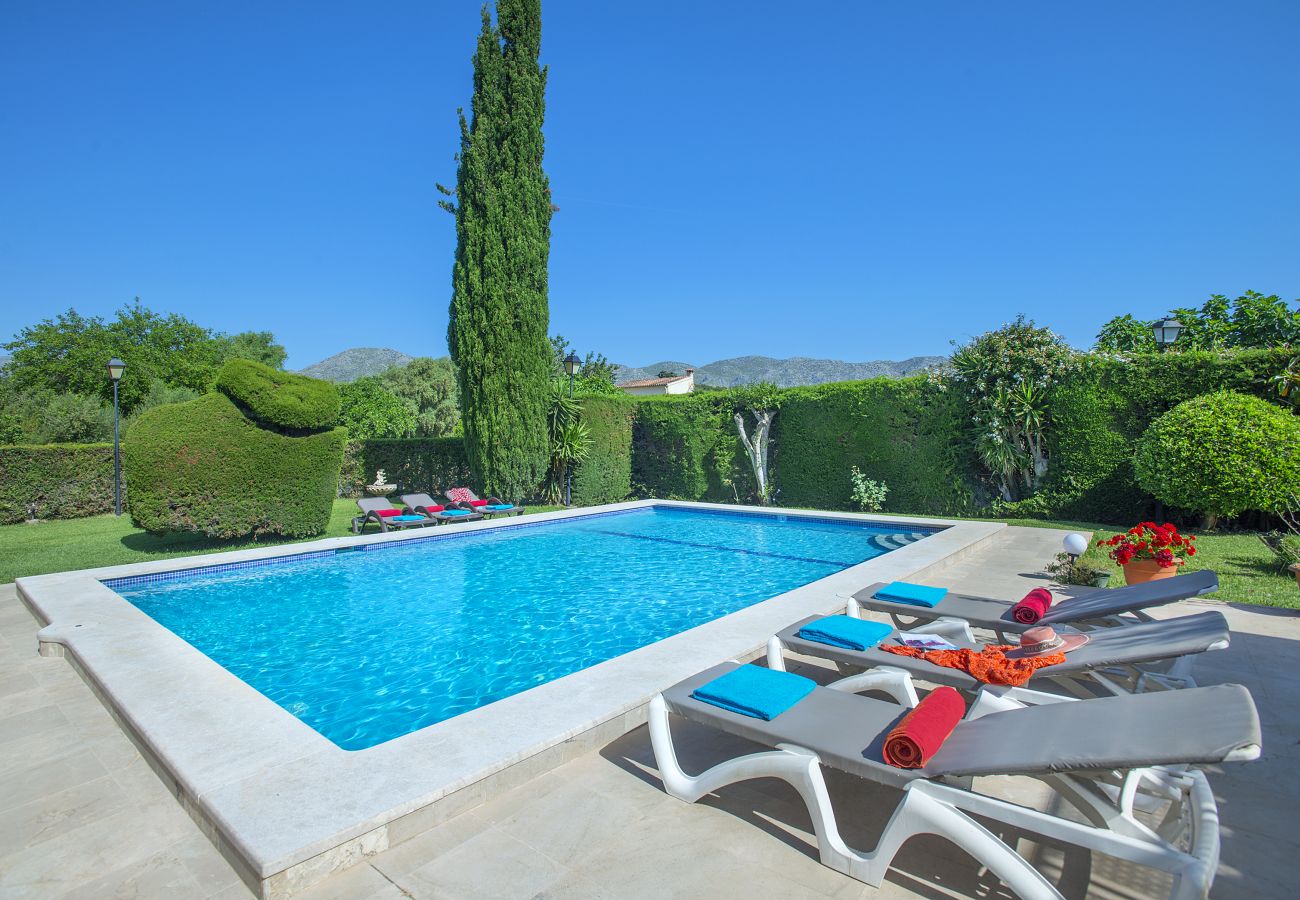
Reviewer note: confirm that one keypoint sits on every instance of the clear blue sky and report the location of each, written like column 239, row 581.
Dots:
column 854, row 180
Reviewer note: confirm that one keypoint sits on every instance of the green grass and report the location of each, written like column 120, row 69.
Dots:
column 64, row 544
column 1247, row 570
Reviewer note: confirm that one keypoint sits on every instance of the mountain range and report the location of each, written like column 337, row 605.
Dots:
column 361, row 361
column 358, row 362
column 790, row 372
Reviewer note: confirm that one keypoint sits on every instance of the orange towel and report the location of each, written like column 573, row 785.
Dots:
column 990, row 665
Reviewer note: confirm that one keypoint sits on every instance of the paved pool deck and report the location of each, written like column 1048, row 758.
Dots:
column 83, row 815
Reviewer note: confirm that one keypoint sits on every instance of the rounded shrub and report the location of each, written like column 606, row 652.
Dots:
column 205, row 466
column 279, row 399
column 1221, row 454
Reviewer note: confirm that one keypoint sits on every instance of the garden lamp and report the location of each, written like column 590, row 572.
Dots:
column 115, row 369
column 1075, row 545
column 571, row 365
column 1166, row 332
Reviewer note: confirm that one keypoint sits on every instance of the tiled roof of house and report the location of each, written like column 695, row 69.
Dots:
column 651, row 382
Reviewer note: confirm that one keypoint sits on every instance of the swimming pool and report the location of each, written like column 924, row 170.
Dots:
column 370, row 644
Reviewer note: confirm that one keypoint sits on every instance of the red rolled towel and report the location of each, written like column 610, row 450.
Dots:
column 922, row 732
column 1035, row 605
column 478, row 503
column 385, row 513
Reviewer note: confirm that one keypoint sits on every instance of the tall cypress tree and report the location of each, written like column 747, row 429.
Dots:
column 499, row 316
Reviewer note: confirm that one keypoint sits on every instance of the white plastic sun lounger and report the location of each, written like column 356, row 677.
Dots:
column 1112, row 660
column 1102, row 756
column 1101, row 606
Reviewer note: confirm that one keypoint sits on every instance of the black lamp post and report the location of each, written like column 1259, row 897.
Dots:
column 1166, row 332
column 571, row 364
column 115, row 369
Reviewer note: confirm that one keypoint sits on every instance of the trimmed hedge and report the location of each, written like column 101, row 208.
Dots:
column 65, row 481
column 904, row 432
column 416, row 464
column 1101, row 410
column 606, row 475
column 685, row 447
column 204, row 466
column 280, row 399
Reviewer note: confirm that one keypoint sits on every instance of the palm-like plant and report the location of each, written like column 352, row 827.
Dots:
column 570, row 441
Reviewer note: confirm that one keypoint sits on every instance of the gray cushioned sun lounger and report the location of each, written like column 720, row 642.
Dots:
column 421, row 503
column 1095, row 605
column 514, row 510
column 370, row 507
column 1098, row 755
column 1179, row 638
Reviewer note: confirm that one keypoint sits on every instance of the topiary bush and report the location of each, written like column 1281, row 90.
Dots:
column 277, row 398
column 206, row 466
column 1221, row 454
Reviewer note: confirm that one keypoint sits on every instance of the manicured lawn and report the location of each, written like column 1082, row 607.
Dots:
column 1247, row 570
column 62, row 545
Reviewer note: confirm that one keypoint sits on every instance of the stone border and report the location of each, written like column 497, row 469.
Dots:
column 288, row 807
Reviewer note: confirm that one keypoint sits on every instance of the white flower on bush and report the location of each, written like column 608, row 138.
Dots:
column 868, row 494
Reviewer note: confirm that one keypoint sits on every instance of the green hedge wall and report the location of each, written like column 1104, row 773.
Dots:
column 280, row 399
column 685, row 448
column 417, row 464
column 65, row 481
column 606, row 476
column 1101, row 410
column 204, row 466
column 905, row 432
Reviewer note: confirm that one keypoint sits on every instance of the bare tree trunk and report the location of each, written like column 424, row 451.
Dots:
column 757, row 448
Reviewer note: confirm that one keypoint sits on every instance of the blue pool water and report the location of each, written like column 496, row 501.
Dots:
column 369, row 645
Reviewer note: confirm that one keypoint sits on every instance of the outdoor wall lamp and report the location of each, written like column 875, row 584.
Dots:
column 1166, row 332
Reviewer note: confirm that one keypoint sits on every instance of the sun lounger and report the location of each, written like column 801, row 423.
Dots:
column 464, row 498
column 1098, row 606
column 1102, row 756
column 370, row 513
column 1115, row 660
column 424, row 505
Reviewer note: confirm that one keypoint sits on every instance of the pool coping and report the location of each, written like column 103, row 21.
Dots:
column 287, row 806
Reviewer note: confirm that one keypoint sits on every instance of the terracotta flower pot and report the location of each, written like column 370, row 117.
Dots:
column 1140, row 571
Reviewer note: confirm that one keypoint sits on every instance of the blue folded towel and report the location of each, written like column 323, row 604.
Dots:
column 455, row 512
column 915, row 594
column 497, row 507
column 846, row 632
column 406, row 519
column 755, row 692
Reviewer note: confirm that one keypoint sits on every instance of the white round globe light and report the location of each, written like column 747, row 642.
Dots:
column 1075, row 544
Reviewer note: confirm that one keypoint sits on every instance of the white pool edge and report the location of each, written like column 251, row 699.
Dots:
column 288, row 807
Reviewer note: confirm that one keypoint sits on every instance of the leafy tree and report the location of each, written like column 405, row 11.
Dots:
column 1125, row 334
column 666, row 373
column 74, row 419
column 68, row 353
column 428, row 387
column 259, row 346
column 1252, row 321
column 370, row 410
column 595, row 376
column 1006, row 377
column 499, row 316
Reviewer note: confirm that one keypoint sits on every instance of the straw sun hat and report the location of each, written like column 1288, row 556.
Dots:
column 1043, row 640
